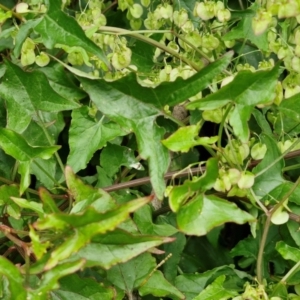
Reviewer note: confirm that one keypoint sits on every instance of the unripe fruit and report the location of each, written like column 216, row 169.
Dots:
column 261, row 21
column 205, row 10
column 180, row 17
column 136, row 10
column 280, row 217
column 246, row 180
column 42, row 60
column 258, row 151
column 22, row 8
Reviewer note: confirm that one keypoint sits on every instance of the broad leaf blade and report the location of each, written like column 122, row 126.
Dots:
column 85, row 131
column 270, row 179
column 16, row 146
column 75, row 287
column 246, row 90
column 216, row 291
column 87, row 196
column 138, row 117
column 158, row 286
column 205, row 212
column 58, row 28
column 15, row 279
column 131, row 274
column 117, row 247
column 34, row 93
column 171, row 93
column 288, row 252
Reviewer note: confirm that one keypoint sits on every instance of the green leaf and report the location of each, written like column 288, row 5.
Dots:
column 116, row 247
column 49, row 205
column 99, row 221
column 138, row 117
column 87, row 224
column 23, row 34
column 87, row 135
column 181, row 193
column 131, row 274
column 143, row 220
column 34, row 93
column 63, row 83
column 16, row 146
column 7, row 191
column 245, row 91
column 24, row 171
column 135, row 108
column 204, row 212
column 208, row 179
column 34, row 206
column 15, row 279
column 216, row 291
column 85, row 195
column 50, row 279
column 288, row 119
column 158, row 286
column 288, row 252
column 114, row 156
column 176, row 248
column 244, row 31
column 272, row 178
column 75, row 287
column 58, row 28
column 187, row 137
column 168, row 93
column 192, row 284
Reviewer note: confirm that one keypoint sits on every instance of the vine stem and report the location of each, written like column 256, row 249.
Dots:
column 178, row 174
column 259, row 264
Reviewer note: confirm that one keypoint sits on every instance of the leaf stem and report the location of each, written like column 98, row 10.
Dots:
column 290, row 272
column 178, row 174
column 259, row 266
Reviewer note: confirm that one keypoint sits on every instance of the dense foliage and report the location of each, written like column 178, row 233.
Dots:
column 149, row 149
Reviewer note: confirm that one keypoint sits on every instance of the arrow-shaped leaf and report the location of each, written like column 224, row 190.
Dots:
column 117, row 247
column 15, row 145
column 135, row 108
column 34, row 93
